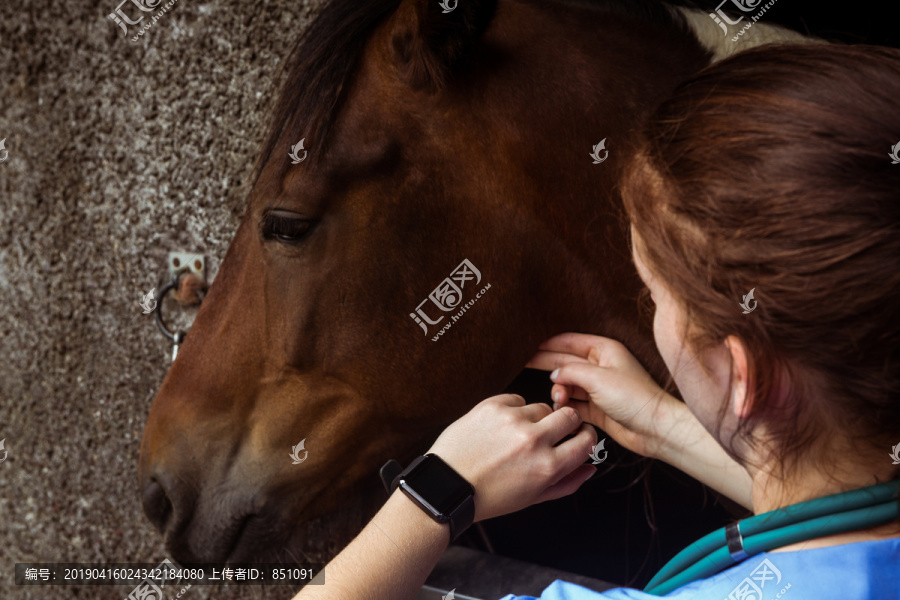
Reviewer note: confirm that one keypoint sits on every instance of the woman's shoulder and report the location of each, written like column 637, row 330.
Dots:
column 855, row 571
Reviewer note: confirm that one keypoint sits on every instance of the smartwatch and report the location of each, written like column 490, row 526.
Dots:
column 438, row 490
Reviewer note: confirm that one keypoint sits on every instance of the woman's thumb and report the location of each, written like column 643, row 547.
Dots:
column 584, row 375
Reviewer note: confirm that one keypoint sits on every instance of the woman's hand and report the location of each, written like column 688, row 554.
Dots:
column 617, row 393
column 506, row 450
column 621, row 398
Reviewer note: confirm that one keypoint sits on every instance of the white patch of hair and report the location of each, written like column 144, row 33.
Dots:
column 710, row 36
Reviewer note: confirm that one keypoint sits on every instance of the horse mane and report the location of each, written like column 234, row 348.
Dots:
column 319, row 69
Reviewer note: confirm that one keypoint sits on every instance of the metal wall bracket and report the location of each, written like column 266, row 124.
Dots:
column 181, row 260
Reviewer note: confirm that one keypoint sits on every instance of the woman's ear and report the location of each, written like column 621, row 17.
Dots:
column 427, row 40
column 741, row 403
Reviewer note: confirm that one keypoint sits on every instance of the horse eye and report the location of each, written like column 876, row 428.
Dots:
column 286, row 228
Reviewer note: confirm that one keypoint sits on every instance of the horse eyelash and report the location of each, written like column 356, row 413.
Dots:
column 275, row 225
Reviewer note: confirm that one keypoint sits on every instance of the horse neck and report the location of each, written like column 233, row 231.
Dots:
column 597, row 81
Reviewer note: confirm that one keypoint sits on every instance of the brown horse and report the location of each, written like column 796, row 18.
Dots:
column 448, row 188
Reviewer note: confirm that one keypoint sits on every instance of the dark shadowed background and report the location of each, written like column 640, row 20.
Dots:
column 120, row 152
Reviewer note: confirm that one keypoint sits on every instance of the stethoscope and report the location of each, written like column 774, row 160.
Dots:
column 840, row 513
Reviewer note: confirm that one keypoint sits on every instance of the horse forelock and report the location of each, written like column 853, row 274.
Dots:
column 317, row 73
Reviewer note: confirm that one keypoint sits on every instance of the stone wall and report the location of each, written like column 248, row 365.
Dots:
column 119, row 152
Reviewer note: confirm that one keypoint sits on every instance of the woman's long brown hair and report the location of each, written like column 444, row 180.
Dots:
column 770, row 171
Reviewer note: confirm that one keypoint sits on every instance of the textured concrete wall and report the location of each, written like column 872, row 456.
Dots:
column 118, row 153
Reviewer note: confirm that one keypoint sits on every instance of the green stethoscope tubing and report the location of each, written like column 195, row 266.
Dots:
column 849, row 511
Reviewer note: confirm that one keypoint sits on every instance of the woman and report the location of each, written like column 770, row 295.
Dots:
column 766, row 225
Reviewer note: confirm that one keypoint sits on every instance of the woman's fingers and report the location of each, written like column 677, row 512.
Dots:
column 571, row 348
column 560, row 393
column 569, row 458
column 533, row 412
column 507, row 399
column 576, row 344
column 546, row 360
column 536, row 412
column 587, row 377
column 588, row 412
column 568, row 484
column 558, row 424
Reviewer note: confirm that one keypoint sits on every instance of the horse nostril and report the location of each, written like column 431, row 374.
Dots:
column 157, row 505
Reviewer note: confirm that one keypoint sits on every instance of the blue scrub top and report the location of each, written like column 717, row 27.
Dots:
column 857, row 571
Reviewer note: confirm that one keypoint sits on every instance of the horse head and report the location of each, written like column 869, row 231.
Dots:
column 445, row 217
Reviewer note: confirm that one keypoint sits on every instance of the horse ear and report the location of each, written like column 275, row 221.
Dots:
column 428, row 40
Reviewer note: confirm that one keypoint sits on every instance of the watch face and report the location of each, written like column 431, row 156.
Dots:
column 438, row 485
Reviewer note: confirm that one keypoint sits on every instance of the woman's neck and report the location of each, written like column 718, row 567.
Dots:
column 771, row 492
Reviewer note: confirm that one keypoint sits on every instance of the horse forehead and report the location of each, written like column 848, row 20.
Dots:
column 364, row 133
column 281, row 183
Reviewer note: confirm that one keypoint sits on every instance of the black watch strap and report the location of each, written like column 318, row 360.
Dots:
column 389, row 472
column 460, row 518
